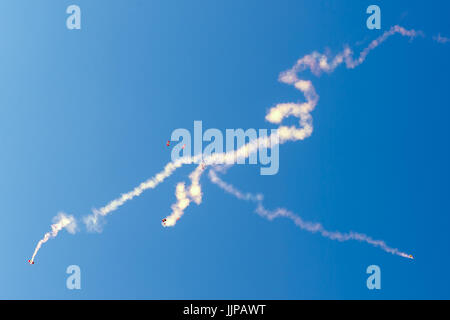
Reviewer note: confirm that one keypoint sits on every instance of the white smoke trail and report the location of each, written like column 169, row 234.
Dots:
column 92, row 221
column 184, row 197
column 302, row 224
column 178, row 208
column 61, row 221
column 195, row 189
column 316, row 63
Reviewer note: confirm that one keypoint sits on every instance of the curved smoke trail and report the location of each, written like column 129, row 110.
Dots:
column 302, row 224
column 317, row 63
column 60, row 222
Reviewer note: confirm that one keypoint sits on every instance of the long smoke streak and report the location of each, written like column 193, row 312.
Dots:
column 316, row 63
column 302, row 224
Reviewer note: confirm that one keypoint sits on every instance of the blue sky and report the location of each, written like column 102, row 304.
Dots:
column 85, row 115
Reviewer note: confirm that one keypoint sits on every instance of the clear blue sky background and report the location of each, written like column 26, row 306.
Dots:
column 84, row 116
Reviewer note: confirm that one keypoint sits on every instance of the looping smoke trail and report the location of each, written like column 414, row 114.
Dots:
column 184, row 197
column 302, row 224
column 316, row 63
column 61, row 221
